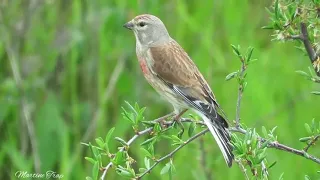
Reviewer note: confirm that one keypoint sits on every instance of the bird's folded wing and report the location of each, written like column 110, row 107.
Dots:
column 173, row 65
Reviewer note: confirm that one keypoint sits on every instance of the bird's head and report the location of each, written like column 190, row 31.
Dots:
column 148, row 30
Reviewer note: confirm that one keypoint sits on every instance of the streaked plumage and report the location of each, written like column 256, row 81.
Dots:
column 171, row 72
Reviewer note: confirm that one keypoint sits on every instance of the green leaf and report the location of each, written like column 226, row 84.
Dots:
column 274, row 163
column 148, row 141
column 249, row 54
column 281, row 176
column 140, row 115
column 100, row 142
column 95, row 170
column 120, row 158
column 264, row 144
column 315, row 92
column 264, row 131
column 131, row 107
column 231, row 75
column 236, row 50
column 268, row 27
column 94, row 150
column 107, row 139
column 147, row 162
column 302, row 73
column 121, row 141
column 146, row 152
column 89, row 178
column 308, row 129
column 252, row 61
column 90, row 160
column 124, row 172
column 305, row 139
column 306, row 177
column 191, row 129
column 276, row 9
column 165, row 169
column 128, row 116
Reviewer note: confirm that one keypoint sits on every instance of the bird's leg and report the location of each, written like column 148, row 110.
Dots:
column 177, row 119
column 163, row 119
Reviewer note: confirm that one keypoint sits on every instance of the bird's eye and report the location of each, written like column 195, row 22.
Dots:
column 141, row 24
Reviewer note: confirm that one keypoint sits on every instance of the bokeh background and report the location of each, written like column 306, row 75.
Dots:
column 68, row 66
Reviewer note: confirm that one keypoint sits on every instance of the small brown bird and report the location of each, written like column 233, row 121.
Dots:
column 171, row 72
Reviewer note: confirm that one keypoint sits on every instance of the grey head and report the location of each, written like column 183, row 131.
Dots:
column 149, row 30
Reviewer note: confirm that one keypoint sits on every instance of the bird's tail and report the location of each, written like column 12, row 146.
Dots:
column 221, row 135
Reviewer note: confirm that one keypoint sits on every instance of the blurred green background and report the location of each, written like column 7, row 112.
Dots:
column 77, row 66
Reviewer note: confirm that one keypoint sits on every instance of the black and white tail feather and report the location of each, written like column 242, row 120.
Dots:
column 215, row 122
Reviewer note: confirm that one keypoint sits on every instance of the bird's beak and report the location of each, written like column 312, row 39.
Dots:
column 128, row 25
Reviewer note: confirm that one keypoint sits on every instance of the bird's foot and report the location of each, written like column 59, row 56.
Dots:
column 177, row 120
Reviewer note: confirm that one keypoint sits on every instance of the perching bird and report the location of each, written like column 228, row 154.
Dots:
column 171, row 72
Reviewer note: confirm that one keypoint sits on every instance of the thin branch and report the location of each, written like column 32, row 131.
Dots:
column 172, row 152
column 138, row 134
column 263, row 165
column 242, row 168
column 240, row 93
column 274, row 144
column 304, row 37
column 312, row 142
column 301, row 153
column 282, row 147
column 306, row 42
column 105, row 170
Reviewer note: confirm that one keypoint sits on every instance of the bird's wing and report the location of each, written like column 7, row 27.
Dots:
column 173, row 65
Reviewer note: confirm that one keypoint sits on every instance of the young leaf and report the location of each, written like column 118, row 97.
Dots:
column 276, row 9
column 122, row 142
column 302, row 73
column 249, row 54
column 148, row 141
column 305, row 139
column 90, row 160
column 124, row 172
column 119, row 158
column 231, row 75
column 274, row 163
column 315, row 92
column 165, row 169
column 146, row 152
column 109, row 134
column 95, row 170
column 281, row 176
column 308, row 129
column 236, row 50
column 147, row 162
column 191, row 129
column 100, row 142
column 131, row 107
column 264, row 131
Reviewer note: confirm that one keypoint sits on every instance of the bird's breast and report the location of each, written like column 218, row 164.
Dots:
column 144, row 67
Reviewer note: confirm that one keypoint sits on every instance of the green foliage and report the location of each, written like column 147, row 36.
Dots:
column 69, row 53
